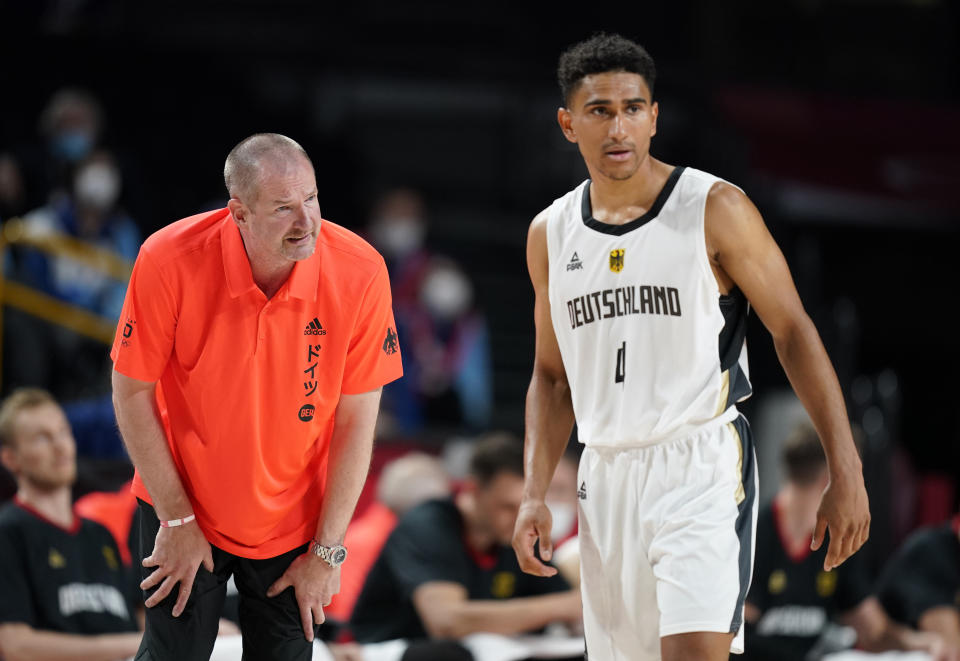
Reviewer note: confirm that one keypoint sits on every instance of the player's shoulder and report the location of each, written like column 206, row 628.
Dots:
column 930, row 541
column 348, row 245
column 91, row 528
column 185, row 236
column 440, row 516
column 11, row 516
column 539, row 222
column 569, row 200
column 17, row 524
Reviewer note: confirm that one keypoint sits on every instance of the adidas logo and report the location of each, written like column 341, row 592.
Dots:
column 314, row 328
column 575, row 263
column 582, row 491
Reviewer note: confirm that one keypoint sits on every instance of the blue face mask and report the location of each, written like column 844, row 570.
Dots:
column 72, row 145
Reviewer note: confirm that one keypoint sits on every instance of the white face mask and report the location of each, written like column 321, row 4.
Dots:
column 97, row 185
column 564, row 516
column 398, row 236
column 446, row 293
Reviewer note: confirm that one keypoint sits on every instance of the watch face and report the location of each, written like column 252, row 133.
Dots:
column 339, row 555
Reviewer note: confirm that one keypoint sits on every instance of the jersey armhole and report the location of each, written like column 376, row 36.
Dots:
column 702, row 257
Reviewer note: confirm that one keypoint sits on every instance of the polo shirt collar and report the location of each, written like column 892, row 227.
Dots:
column 301, row 284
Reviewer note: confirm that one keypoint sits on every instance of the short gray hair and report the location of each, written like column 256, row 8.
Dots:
column 244, row 162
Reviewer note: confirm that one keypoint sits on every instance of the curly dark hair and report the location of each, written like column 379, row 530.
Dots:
column 599, row 54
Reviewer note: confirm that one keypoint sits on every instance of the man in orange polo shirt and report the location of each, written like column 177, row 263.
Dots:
column 248, row 364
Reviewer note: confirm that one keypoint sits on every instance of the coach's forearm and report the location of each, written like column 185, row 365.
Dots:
column 142, row 432
column 20, row 642
column 351, row 447
column 549, row 421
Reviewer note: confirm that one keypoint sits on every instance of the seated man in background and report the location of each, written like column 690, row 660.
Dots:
column 448, row 570
column 403, row 483
column 793, row 602
column 920, row 585
column 64, row 592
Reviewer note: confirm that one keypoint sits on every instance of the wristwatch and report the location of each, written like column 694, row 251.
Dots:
column 332, row 555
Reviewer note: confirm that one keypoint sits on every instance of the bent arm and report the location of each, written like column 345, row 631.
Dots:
column 876, row 632
column 142, row 432
column 21, row 642
column 942, row 620
column 742, row 251
column 739, row 243
column 446, row 612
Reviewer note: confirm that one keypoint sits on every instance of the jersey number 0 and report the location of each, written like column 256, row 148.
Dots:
column 621, row 372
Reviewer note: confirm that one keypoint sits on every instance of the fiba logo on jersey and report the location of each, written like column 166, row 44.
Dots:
column 616, row 260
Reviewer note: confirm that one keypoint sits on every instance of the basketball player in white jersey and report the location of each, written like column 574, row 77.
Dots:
column 643, row 276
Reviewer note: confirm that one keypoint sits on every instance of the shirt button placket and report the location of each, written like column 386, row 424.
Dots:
column 262, row 326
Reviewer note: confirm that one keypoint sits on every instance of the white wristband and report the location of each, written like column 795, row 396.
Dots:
column 173, row 523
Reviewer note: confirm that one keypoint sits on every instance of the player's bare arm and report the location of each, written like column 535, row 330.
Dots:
column 178, row 552
column 549, row 415
column 314, row 581
column 877, row 632
column 743, row 253
column 447, row 612
column 21, row 641
column 944, row 620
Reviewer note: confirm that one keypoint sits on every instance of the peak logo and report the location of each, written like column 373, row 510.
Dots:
column 314, row 328
column 306, row 412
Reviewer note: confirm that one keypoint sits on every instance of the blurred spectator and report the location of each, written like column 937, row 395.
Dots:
column 115, row 511
column 794, row 606
column 447, row 367
column 562, row 500
column 398, row 228
column 920, row 585
column 66, row 593
column 448, row 570
column 90, row 213
column 71, row 125
column 39, row 353
column 403, row 483
column 13, row 196
column 561, row 496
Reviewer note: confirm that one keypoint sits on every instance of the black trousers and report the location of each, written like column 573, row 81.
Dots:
column 270, row 626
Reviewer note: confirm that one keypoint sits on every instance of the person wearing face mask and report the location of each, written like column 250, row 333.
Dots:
column 448, row 366
column 450, row 379
column 53, row 356
column 92, row 214
column 70, row 128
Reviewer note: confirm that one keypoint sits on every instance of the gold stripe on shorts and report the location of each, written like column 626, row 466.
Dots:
column 740, row 494
column 724, row 392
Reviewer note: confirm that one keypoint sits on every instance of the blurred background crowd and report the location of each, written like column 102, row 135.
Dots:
column 432, row 128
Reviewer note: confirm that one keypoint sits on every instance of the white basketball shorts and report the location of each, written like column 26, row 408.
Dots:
column 666, row 540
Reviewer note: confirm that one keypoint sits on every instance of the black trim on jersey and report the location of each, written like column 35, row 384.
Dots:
column 744, row 525
column 619, row 230
column 735, row 308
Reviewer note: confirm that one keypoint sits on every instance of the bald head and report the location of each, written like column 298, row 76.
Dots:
column 247, row 161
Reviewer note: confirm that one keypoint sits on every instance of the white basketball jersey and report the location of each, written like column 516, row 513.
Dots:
column 651, row 349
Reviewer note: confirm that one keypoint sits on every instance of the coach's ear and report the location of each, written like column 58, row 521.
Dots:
column 565, row 119
column 238, row 210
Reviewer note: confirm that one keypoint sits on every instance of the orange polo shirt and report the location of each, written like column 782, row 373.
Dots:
column 248, row 387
